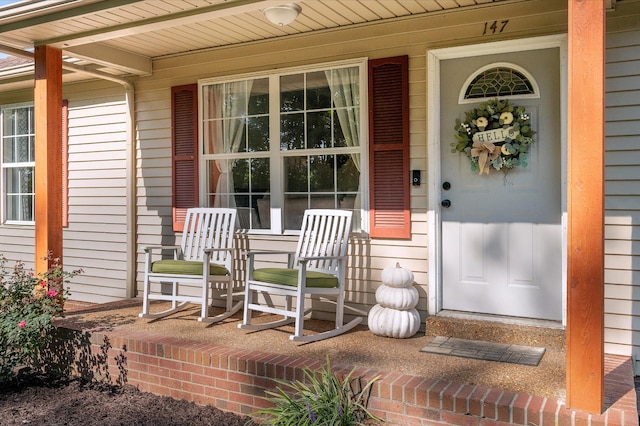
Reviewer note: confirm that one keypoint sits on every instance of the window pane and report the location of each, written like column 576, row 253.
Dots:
column 323, row 201
column 242, row 184
column 348, row 136
column 321, row 173
column 241, row 176
column 318, row 92
column 234, row 136
column 346, row 201
column 292, row 92
column 263, row 209
column 18, row 189
column 260, row 179
column 259, row 97
column 235, row 102
column 259, row 196
column 25, row 149
column 18, row 138
column 338, row 135
column 294, row 207
column 348, row 175
column 8, row 150
column 218, row 176
column 319, row 129
column 8, row 121
column 11, row 181
column 23, row 121
column 227, row 121
column 296, row 174
column 258, row 137
column 26, row 208
column 291, row 131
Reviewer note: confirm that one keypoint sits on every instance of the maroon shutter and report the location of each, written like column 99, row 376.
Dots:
column 184, row 136
column 389, row 148
column 65, row 163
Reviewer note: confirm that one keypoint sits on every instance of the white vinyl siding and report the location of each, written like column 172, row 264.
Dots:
column 622, row 194
column 95, row 240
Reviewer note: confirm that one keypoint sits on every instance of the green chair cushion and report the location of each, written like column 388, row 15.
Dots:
column 290, row 277
column 185, row 267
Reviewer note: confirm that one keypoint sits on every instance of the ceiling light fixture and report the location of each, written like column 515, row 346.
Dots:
column 283, row 14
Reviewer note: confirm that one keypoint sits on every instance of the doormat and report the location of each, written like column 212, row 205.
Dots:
column 487, row 351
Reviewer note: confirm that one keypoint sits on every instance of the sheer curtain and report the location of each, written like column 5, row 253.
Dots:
column 344, row 84
column 228, row 104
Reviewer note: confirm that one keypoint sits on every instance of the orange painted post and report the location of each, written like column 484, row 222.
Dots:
column 48, row 168
column 585, row 203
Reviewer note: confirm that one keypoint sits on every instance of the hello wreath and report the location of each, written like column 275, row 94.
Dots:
column 494, row 135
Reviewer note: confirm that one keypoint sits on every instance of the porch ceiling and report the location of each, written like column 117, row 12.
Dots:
column 122, row 37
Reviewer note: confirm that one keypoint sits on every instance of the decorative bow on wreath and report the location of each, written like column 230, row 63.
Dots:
column 495, row 135
column 486, row 152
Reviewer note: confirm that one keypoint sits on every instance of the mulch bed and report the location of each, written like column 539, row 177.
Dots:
column 39, row 400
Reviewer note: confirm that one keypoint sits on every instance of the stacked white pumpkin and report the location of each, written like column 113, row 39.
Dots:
column 395, row 315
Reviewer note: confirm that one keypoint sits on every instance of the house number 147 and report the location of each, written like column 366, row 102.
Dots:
column 495, row 27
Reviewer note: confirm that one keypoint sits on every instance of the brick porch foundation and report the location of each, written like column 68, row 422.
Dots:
column 235, row 380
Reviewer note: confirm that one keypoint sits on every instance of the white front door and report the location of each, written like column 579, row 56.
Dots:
column 501, row 237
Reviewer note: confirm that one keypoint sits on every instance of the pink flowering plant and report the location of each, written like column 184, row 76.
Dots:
column 28, row 304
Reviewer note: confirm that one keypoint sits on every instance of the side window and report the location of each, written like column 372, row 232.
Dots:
column 18, row 164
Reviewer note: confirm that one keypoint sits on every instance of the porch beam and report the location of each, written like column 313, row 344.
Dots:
column 585, row 204
column 171, row 20
column 48, row 157
column 102, row 54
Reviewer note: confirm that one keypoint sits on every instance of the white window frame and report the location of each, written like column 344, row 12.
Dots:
column 275, row 155
column 4, row 166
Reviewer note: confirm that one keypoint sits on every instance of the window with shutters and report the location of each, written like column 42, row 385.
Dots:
column 276, row 144
column 272, row 145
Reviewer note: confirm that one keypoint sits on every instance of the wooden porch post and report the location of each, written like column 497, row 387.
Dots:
column 585, row 204
column 48, row 142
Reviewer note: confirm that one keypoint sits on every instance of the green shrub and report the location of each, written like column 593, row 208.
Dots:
column 28, row 305
column 321, row 399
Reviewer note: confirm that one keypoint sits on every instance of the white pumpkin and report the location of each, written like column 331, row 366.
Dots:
column 397, row 276
column 393, row 323
column 397, row 298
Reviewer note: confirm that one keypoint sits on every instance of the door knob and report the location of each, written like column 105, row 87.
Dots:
column 445, row 203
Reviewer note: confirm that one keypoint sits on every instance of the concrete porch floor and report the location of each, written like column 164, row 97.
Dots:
column 412, row 380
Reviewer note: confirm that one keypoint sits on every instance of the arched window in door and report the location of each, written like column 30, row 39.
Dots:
column 502, row 80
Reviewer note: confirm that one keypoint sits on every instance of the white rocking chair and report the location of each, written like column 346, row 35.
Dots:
column 316, row 268
column 203, row 258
